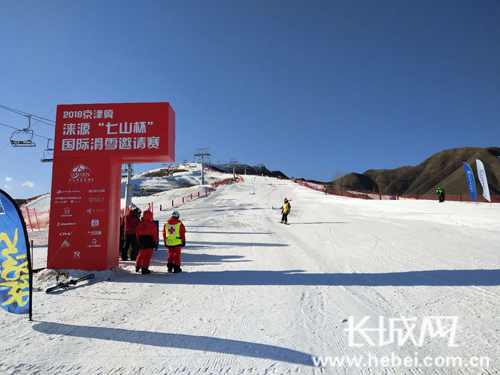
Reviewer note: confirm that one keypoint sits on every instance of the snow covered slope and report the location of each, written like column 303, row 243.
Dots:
column 144, row 186
column 182, row 176
column 259, row 297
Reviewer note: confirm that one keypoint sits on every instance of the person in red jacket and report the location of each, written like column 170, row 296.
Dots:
column 174, row 235
column 147, row 236
column 131, row 223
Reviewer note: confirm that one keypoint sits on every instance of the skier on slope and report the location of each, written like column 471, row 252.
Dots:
column 147, row 236
column 285, row 210
column 174, row 235
column 440, row 193
column 131, row 223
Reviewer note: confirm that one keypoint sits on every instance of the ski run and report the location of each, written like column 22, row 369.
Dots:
column 258, row 297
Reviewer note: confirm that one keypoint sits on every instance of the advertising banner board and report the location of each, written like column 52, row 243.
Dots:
column 92, row 142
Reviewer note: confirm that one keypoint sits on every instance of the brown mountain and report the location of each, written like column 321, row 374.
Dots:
column 444, row 169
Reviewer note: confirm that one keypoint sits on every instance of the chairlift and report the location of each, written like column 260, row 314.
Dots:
column 26, row 133
column 48, row 153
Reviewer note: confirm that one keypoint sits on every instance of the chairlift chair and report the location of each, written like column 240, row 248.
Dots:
column 48, row 153
column 28, row 136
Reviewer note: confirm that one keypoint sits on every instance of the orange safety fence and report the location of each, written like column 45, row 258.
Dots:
column 228, row 181
column 35, row 219
column 186, row 199
column 360, row 194
column 190, row 197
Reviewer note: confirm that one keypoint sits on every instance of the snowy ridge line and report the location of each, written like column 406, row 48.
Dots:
column 360, row 194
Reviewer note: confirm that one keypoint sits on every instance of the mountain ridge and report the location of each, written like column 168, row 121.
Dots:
column 443, row 169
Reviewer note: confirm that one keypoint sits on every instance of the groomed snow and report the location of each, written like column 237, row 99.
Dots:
column 259, row 297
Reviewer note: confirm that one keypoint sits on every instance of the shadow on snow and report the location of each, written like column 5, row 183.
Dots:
column 207, row 243
column 479, row 277
column 172, row 340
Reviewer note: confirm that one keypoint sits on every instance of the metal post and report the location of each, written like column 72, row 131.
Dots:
column 202, row 172
column 128, row 189
column 36, row 218
column 202, row 153
column 30, row 273
column 29, row 218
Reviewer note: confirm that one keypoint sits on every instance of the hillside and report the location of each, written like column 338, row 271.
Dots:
column 243, row 169
column 444, row 169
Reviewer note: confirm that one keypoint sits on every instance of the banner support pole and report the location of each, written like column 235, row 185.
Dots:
column 30, row 272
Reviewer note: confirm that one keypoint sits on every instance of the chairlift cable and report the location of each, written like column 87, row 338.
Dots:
column 38, row 118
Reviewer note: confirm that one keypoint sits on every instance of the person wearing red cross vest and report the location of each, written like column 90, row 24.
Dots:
column 174, row 235
column 147, row 237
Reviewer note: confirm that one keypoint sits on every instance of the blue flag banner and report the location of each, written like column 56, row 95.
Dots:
column 471, row 181
column 14, row 261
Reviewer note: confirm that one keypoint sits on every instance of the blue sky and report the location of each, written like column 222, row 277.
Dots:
column 307, row 87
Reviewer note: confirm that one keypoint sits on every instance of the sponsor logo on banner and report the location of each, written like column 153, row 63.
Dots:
column 65, row 224
column 81, row 174
column 65, row 244
column 94, row 244
column 68, row 191
column 471, row 181
column 481, row 173
column 97, row 191
column 95, row 232
column 65, row 234
column 67, row 212
column 68, row 199
column 76, row 255
column 96, row 200
column 96, row 211
column 94, row 223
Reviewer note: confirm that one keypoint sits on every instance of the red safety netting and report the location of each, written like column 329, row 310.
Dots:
column 371, row 195
column 35, row 219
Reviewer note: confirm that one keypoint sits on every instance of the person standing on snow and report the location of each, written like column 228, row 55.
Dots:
column 174, row 235
column 440, row 193
column 285, row 210
column 147, row 236
column 131, row 223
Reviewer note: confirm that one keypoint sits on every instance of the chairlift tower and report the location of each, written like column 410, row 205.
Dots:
column 202, row 153
column 128, row 188
column 233, row 162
